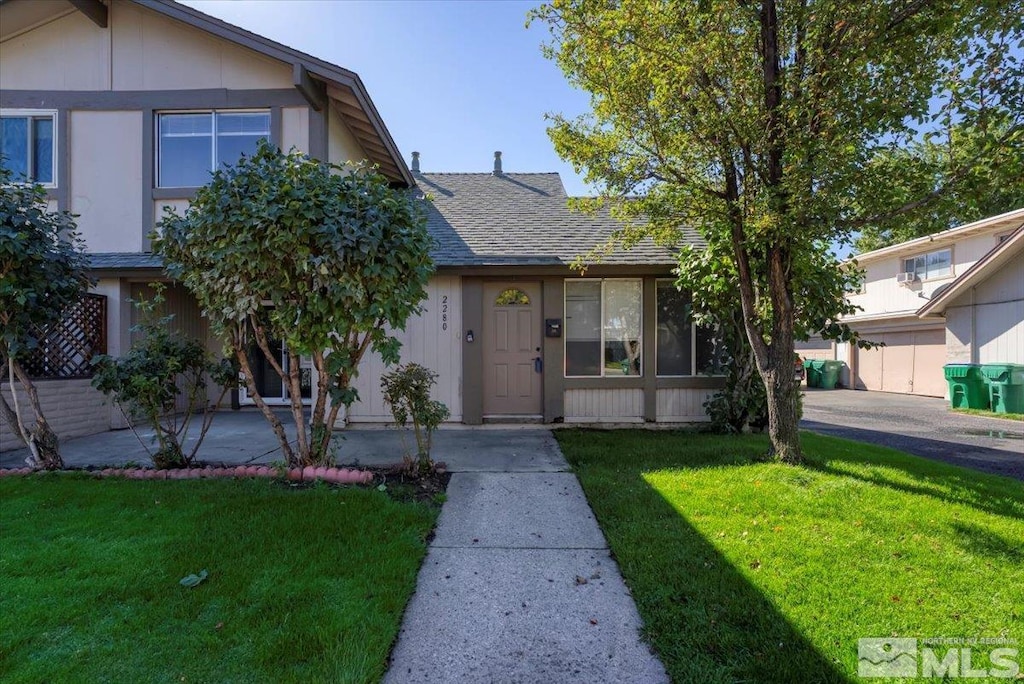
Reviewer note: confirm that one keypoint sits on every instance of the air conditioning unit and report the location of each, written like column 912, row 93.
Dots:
column 904, row 278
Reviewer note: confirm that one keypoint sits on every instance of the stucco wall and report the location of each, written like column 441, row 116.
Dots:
column 106, row 179
column 342, row 146
column 72, row 407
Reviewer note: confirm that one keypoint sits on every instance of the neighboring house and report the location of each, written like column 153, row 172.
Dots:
column 917, row 299
column 122, row 108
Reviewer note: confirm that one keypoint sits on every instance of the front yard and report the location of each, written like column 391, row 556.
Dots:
column 751, row 571
column 305, row 584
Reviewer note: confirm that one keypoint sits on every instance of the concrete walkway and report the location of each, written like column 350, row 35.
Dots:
column 518, row 584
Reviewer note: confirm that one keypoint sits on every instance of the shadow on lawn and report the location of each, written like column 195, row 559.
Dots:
column 706, row 620
column 924, row 478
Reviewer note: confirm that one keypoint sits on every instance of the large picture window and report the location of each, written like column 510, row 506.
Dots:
column 27, row 146
column 603, row 323
column 931, row 265
column 192, row 145
column 682, row 348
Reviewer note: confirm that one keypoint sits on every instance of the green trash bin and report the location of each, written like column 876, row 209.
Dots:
column 830, row 374
column 814, row 373
column 1005, row 386
column 967, row 387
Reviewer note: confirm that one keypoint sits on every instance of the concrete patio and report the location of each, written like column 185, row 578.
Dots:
column 245, row 437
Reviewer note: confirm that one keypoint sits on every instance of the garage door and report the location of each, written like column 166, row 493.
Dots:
column 909, row 363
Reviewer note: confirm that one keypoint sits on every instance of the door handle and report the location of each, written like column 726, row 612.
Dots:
column 538, row 364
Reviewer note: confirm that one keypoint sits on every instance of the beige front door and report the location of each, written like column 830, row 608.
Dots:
column 512, row 343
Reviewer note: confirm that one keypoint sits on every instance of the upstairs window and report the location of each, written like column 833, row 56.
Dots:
column 931, row 265
column 193, row 145
column 27, row 147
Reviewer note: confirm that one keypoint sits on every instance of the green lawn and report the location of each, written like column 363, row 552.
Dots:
column 751, row 571
column 304, row 584
column 990, row 414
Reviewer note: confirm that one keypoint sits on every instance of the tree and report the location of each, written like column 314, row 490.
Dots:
column 757, row 123
column 986, row 191
column 162, row 366
column 327, row 259
column 42, row 273
column 406, row 391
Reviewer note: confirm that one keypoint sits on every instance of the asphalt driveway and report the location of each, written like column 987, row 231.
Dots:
column 923, row 426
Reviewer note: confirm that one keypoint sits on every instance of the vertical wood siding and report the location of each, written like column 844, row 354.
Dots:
column 604, row 405
column 426, row 342
column 683, row 405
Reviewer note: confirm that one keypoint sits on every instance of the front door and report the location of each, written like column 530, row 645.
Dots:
column 513, row 364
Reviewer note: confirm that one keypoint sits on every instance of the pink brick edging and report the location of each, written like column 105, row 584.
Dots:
column 307, row 474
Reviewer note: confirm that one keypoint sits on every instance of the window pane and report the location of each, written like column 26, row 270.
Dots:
column 622, row 311
column 582, row 328
column 512, row 296
column 14, row 145
column 239, row 134
column 674, row 331
column 42, row 149
column 920, row 267
column 708, row 353
column 186, row 149
column 939, row 263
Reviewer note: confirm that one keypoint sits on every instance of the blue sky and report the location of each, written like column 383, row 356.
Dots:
column 454, row 80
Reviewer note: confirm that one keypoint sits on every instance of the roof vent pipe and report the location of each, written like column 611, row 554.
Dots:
column 497, row 163
column 415, row 162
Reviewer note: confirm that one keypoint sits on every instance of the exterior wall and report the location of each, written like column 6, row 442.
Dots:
column 883, row 295
column 342, row 146
column 72, row 407
column 987, row 325
column 428, row 340
column 683, row 405
column 70, row 53
column 295, row 128
column 109, row 215
column 604, row 405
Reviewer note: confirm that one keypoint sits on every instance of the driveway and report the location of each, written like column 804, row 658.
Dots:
column 923, row 426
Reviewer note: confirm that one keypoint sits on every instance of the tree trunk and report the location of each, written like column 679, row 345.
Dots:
column 286, row 447
column 42, row 441
column 784, row 413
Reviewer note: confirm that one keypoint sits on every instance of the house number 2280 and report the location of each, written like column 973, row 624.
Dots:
column 444, row 312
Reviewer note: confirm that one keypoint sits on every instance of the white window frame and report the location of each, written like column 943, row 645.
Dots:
column 693, row 340
column 925, row 255
column 565, row 338
column 39, row 113
column 213, row 132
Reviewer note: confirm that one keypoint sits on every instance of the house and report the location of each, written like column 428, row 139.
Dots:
column 949, row 297
column 122, row 108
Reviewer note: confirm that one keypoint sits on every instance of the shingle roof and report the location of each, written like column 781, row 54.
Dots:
column 482, row 219
column 114, row 261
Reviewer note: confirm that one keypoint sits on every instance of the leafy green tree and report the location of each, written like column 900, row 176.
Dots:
column 43, row 271
column 758, row 124
column 161, row 367
column 327, row 259
column 407, row 391
column 984, row 191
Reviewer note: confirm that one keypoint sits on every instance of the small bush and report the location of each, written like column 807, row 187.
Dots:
column 407, row 392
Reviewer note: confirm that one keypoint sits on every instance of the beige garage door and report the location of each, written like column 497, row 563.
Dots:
column 909, row 363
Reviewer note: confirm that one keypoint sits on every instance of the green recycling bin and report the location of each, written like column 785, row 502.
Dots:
column 830, row 374
column 807, row 372
column 814, row 373
column 967, row 387
column 1005, row 386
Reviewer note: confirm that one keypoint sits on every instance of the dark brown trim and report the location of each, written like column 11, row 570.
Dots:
column 276, row 131
column 317, row 142
column 314, row 91
column 472, row 352
column 554, row 351
column 692, row 382
column 95, row 10
column 148, row 176
column 173, row 193
column 606, row 382
column 115, row 100
column 63, row 190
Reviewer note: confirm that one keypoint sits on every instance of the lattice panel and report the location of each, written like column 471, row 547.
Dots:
column 66, row 348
